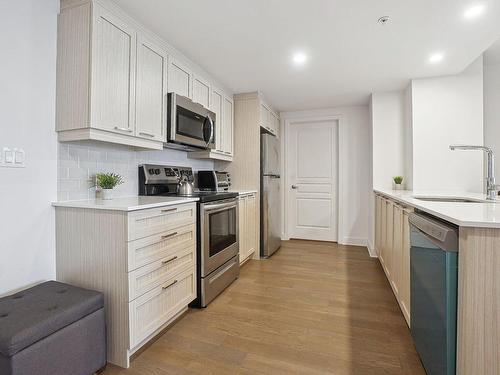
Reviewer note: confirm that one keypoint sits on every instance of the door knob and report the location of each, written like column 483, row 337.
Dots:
column 295, row 187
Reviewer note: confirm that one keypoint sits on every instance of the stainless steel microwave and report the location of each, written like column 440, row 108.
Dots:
column 189, row 123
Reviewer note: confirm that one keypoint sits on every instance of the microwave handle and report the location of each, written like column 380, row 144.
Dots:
column 209, row 121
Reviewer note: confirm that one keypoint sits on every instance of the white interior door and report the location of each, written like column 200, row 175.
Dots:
column 312, row 180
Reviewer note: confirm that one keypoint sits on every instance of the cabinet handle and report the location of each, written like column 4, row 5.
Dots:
column 169, row 285
column 169, row 235
column 169, row 260
column 123, row 129
column 147, row 134
column 227, row 152
column 169, row 210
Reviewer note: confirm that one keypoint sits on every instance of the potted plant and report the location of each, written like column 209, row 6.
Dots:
column 398, row 183
column 106, row 182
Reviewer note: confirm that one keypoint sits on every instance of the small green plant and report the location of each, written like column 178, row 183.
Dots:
column 108, row 180
column 398, row 180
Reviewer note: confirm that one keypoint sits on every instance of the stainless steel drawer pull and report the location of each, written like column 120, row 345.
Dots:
column 169, row 285
column 169, row 235
column 169, row 260
column 147, row 134
column 169, row 210
column 123, row 129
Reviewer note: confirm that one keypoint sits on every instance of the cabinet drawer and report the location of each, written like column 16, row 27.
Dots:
column 150, row 311
column 144, row 223
column 147, row 250
column 144, row 279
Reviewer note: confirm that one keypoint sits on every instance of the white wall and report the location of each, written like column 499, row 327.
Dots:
column 492, row 112
column 390, row 127
column 356, row 179
column 27, row 97
column 448, row 110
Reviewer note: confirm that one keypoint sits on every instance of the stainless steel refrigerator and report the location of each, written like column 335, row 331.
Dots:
column 270, row 200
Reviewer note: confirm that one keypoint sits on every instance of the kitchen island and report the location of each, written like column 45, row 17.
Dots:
column 478, row 220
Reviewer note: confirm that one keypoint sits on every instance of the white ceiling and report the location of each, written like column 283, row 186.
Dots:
column 248, row 44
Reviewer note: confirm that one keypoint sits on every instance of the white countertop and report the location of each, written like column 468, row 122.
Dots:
column 125, row 203
column 243, row 192
column 482, row 214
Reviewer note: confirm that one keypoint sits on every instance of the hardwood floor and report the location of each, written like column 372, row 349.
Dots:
column 313, row 308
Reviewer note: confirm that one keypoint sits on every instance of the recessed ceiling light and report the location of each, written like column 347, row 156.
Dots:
column 299, row 58
column 436, row 57
column 474, row 11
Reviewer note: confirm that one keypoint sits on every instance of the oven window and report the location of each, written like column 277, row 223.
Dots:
column 222, row 230
column 189, row 124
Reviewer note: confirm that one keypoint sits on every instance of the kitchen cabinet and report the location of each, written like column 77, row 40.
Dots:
column 269, row 120
column 227, row 126
column 97, row 62
column 201, row 91
column 223, row 107
column 180, row 79
column 143, row 261
column 392, row 241
column 151, row 89
column 247, row 226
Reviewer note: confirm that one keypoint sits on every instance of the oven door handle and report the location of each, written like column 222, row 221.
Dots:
column 220, row 206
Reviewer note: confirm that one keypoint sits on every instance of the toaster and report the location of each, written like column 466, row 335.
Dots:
column 213, row 181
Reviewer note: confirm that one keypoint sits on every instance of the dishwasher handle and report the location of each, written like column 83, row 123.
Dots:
column 444, row 236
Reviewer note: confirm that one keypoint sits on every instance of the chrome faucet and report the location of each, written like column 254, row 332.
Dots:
column 491, row 187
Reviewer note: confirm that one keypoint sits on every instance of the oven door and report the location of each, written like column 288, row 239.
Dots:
column 190, row 123
column 219, row 234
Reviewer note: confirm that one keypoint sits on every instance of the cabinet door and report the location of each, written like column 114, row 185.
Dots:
column 264, row 116
column 404, row 290
column 150, row 90
column 113, row 73
column 251, row 223
column 389, row 238
column 227, row 128
column 383, row 229
column 397, row 249
column 377, row 224
column 242, row 228
column 273, row 123
column 201, row 91
column 180, row 79
column 216, row 106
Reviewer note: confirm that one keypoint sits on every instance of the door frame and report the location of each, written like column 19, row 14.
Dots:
column 341, row 154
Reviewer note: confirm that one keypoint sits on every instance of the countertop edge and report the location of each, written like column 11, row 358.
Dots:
column 82, row 205
column 451, row 219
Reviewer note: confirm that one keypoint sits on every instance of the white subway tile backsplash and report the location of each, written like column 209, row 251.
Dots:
column 79, row 162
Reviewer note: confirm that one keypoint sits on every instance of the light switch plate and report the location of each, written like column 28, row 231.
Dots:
column 13, row 157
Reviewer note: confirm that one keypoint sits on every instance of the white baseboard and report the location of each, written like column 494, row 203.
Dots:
column 355, row 241
column 371, row 250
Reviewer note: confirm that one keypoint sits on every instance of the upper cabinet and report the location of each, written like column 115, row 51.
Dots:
column 151, row 88
column 113, row 77
column 112, row 73
column 269, row 120
column 180, row 79
column 201, row 91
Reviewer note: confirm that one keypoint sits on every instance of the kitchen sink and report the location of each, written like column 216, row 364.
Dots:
column 451, row 199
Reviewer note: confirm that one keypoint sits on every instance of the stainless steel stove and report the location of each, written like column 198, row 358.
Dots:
column 217, row 228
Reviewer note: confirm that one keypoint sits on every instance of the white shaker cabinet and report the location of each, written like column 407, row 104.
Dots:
column 201, row 91
column 227, row 126
column 96, row 79
column 216, row 106
column 151, row 89
column 247, row 226
column 269, row 120
column 180, row 79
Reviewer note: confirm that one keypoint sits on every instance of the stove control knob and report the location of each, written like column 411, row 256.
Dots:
column 151, row 171
column 157, row 171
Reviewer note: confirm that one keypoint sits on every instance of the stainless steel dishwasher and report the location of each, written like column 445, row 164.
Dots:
column 433, row 299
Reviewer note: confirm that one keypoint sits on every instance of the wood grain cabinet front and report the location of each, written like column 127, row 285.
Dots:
column 143, row 261
column 392, row 231
column 247, row 226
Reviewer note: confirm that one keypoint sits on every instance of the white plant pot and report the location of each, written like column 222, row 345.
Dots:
column 397, row 186
column 107, row 194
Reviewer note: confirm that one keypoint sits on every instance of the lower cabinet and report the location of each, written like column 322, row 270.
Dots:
column 143, row 261
column 247, row 225
column 392, row 242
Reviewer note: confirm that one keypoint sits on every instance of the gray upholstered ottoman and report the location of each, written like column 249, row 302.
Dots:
column 52, row 329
